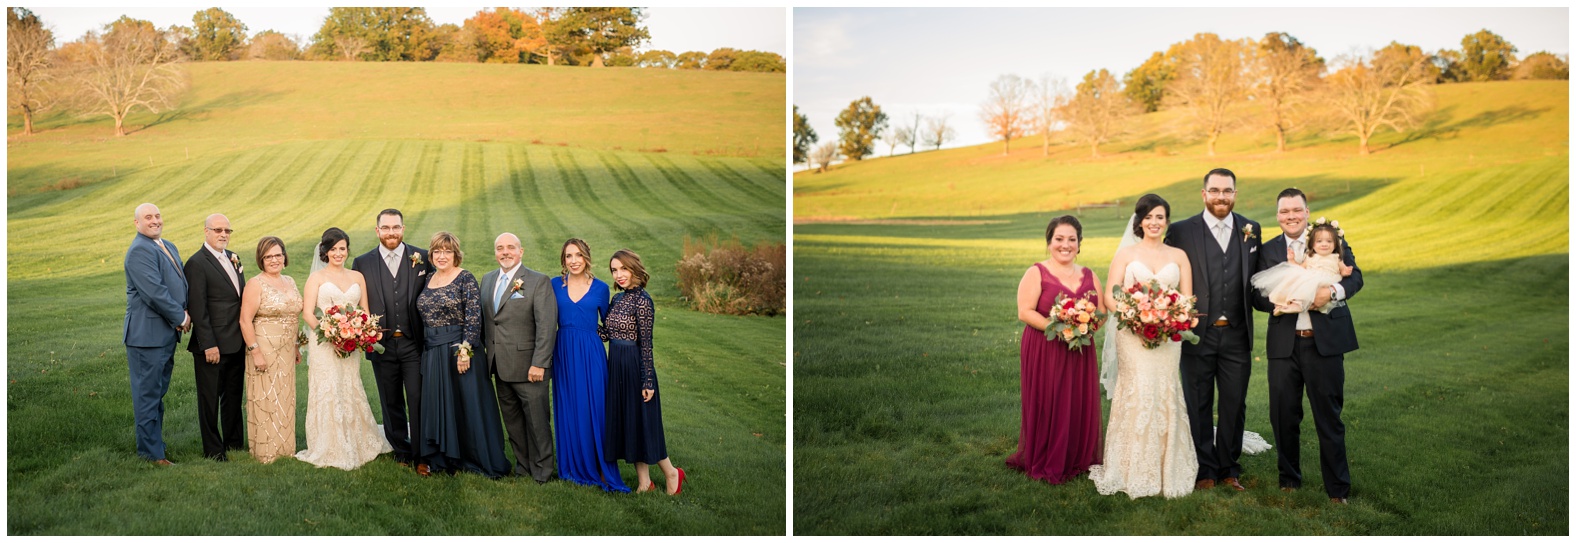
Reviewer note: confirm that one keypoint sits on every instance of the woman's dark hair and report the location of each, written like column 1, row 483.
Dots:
column 1050, row 229
column 631, row 262
column 268, row 242
column 1146, row 204
column 331, row 237
column 1334, row 233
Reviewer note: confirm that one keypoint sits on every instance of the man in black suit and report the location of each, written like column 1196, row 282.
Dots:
column 1308, row 349
column 396, row 273
column 1222, row 248
column 213, row 292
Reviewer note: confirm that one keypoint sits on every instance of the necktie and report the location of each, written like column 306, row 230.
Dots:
column 503, row 283
column 1296, row 247
column 230, row 271
column 178, row 270
column 1220, row 235
column 393, row 262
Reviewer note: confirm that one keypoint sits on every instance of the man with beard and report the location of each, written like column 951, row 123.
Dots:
column 1222, row 247
column 214, row 284
column 396, row 273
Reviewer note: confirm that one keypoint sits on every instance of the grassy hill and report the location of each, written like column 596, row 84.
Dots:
column 906, row 341
column 290, row 149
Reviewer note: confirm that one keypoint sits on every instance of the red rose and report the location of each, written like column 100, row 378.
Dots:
column 1184, row 325
column 363, row 317
column 1150, row 332
column 1176, row 337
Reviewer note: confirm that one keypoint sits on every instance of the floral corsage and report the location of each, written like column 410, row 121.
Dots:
column 465, row 349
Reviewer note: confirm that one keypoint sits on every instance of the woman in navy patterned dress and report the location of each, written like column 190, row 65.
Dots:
column 634, row 410
column 460, row 425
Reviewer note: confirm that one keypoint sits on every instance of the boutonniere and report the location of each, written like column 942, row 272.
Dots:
column 236, row 261
column 1247, row 233
column 415, row 259
column 516, row 285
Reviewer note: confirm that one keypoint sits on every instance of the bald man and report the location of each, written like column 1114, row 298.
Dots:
column 519, row 328
column 155, row 317
column 214, row 277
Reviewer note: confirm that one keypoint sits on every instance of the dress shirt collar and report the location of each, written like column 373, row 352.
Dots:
column 398, row 252
column 223, row 258
column 509, row 273
column 1211, row 221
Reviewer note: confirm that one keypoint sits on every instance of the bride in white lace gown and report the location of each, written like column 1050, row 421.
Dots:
column 1148, row 444
column 340, row 430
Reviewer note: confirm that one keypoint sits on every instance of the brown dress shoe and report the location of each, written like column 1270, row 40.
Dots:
column 1341, row 501
column 423, row 470
column 163, row 462
column 1232, row 482
column 1205, row 484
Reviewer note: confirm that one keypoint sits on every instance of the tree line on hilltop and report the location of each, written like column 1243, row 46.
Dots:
column 1275, row 84
column 131, row 64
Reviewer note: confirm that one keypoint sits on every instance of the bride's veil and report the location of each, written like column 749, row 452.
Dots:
column 1108, row 350
column 317, row 261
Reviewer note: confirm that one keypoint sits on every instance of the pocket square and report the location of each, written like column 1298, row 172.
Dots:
column 1253, row 250
column 516, row 296
column 421, row 273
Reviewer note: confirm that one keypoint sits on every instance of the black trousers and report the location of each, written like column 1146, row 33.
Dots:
column 1222, row 359
column 219, row 389
column 398, row 374
column 1324, row 377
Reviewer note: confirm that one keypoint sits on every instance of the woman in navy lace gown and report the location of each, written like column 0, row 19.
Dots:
column 580, row 372
column 460, row 425
column 634, row 410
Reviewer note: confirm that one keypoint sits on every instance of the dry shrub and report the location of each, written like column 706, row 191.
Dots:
column 725, row 277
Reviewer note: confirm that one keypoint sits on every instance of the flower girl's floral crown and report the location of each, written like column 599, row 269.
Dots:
column 1332, row 224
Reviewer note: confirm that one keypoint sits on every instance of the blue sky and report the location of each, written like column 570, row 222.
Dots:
column 942, row 60
column 674, row 29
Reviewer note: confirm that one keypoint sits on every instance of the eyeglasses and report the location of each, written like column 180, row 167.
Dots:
column 274, row 257
column 395, row 228
column 1218, row 192
column 225, row 231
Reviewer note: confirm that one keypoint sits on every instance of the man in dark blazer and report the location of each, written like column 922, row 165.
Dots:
column 520, row 328
column 155, row 317
column 1222, row 248
column 396, row 273
column 214, row 283
column 1308, row 350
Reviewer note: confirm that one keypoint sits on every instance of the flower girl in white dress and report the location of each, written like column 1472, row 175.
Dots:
column 1292, row 286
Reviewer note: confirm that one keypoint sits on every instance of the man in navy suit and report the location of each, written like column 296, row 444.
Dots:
column 396, row 272
column 155, row 317
column 215, row 282
column 1222, row 249
column 1308, row 350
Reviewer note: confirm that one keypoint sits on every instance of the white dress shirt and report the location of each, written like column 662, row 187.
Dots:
column 399, row 256
column 1214, row 225
column 224, row 262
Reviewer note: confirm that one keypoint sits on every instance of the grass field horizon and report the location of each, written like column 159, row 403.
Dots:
column 290, row 149
column 906, row 368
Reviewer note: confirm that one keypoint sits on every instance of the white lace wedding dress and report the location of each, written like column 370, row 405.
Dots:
column 340, row 430
column 1148, row 445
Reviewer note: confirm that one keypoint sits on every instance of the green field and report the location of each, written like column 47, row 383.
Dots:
column 906, row 367
column 290, row 149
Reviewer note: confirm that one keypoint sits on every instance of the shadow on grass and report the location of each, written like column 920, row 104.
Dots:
column 1256, row 201
column 1438, row 127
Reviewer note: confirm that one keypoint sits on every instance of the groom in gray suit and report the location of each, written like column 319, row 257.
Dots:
column 519, row 328
column 155, row 317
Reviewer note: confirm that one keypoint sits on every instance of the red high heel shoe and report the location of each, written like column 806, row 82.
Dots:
column 681, row 482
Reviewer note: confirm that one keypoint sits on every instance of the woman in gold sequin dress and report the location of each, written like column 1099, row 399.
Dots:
column 270, row 309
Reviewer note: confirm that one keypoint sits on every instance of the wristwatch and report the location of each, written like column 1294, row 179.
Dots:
column 252, row 347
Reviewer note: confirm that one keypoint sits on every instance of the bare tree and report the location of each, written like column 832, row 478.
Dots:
column 938, row 130
column 1287, row 70
column 823, row 155
column 29, row 65
column 1388, row 90
column 1210, row 80
column 132, row 65
column 1097, row 111
column 1007, row 111
column 1049, row 94
column 351, row 47
column 892, row 138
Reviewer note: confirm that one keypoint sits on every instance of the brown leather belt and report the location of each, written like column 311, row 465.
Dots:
column 398, row 333
column 1222, row 323
column 1305, row 333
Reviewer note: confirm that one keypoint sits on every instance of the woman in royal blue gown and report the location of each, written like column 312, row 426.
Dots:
column 580, row 372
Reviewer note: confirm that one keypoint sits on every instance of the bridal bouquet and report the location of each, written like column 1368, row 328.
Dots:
column 1155, row 313
column 348, row 328
column 1073, row 321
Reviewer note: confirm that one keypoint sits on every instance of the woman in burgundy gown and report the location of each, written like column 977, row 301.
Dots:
column 1059, row 437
